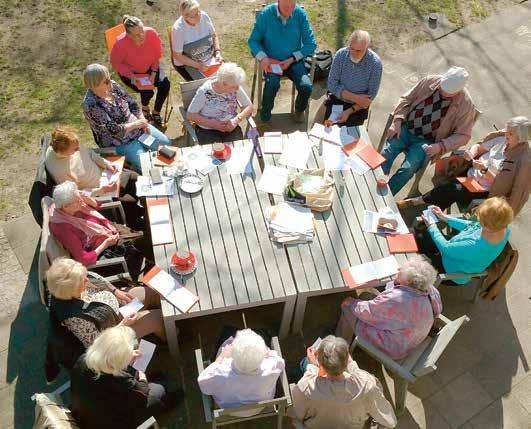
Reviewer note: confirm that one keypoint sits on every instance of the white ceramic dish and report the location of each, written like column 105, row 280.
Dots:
column 191, row 183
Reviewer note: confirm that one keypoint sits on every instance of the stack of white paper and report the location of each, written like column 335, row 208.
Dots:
column 173, row 291
column 273, row 142
column 370, row 221
column 273, row 180
column 375, row 270
column 296, row 151
column 238, row 162
column 160, row 223
column 334, row 158
column 288, row 223
column 146, row 350
column 333, row 134
column 145, row 187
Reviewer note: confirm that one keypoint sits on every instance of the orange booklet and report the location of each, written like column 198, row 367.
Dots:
column 171, row 289
column 143, row 81
column 160, row 221
column 213, row 68
column 269, row 70
column 366, row 152
column 401, row 243
column 471, row 184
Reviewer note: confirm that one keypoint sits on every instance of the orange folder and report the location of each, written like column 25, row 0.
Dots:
column 401, row 243
column 140, row 85
column 212, row 69
column 269, row 66
column 471, row 184
column 365, row 151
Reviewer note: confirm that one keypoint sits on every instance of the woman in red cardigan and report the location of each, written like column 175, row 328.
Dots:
column 138, row 52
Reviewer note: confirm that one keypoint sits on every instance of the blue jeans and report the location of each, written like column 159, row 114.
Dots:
column 415, row 157
column 299, row 75
column 133, row 149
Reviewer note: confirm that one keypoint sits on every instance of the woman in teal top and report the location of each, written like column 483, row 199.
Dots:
column 477, row 244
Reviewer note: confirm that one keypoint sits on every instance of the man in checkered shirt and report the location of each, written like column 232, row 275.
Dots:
column 434, row 117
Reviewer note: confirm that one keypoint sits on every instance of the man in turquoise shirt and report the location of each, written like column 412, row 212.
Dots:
column 282, row 34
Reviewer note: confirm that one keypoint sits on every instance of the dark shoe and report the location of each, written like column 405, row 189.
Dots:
column 298, row 117
column 156, row 120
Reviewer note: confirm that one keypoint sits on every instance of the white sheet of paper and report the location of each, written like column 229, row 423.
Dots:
column 293, row 218
column 337, row 111
column 131, row 308
column 330, row 134
column 296, row 151
column 273, row 142
column 144, row 187
column 273, row 180
column 358, row 165
column 199, row 160
column 316, row 344
column 159, row 213
column 374, row 270
column 370, row 221
column 238, row 163
column 334, row 158
column 146, row 349
column 161, row 233
column 173, row 291
column 145, row 81
column 275, row 68
column 431, row 218
column 107, row 177
column 146, row 139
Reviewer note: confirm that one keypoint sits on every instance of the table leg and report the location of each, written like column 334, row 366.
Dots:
column 287, row 314
column 300, row 309
column 172, row 336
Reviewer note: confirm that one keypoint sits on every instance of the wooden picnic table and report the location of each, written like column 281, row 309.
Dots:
column 339, row 241
column 238, row 265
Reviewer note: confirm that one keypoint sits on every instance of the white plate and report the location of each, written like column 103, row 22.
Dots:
column 191, row 183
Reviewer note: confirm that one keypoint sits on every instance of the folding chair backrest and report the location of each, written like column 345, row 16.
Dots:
column 188, row 90
column 168, row 32
column 430, row 356
column 112, row 34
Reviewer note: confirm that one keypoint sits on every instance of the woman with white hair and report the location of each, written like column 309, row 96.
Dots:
column 399, row 318
column 115, row 117
column 135, row 54
column 214, row 108
column 195, row 45
column 106, row 392
column 245, row 372
column 500, row 164
column 335, row 393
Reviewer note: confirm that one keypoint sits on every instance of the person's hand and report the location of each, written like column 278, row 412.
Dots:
column 364, row 100
column 109, row 188
column 477, row 164
column 152, row 77
column 202, row 67
column 265, row 63
column 140, row 123
column 394, row 130
column 344, row 116
column 438, row 212
column 468, row 155
column 112, row 240
column 284, row 65
column 432, row 149
column 311, row 354
column 218, row 57
column 111, row 167
column 129, row 320
column 141, row 375
column 123, row 297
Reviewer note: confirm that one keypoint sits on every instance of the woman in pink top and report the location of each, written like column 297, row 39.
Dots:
column 136, row 52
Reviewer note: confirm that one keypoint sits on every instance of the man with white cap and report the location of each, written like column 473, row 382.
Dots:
column 433, row 117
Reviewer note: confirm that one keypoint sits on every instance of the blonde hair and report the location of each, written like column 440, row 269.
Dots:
column 495, row 214
column 131, row 22
column 231, row 74
column 188, row 6
column 112, row 351
column 94, row 75
column 62, row 138
column 65, row 278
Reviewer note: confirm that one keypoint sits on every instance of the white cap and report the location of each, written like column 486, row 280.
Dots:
column 454, row 80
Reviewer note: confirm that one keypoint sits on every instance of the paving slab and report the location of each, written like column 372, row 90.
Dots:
column 505, row 412
column 522, row 392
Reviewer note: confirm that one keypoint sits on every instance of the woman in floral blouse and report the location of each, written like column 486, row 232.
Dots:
column 115, row 117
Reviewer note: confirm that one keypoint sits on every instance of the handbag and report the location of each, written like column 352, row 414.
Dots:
column 450, row 167
column 311, row 188
column 323, row 62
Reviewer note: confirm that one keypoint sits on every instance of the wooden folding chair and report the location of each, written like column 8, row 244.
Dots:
column 421, row 361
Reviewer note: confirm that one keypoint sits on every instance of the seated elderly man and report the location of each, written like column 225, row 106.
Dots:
column 335, row 393
column 283, row 35
column 401, row 317
column 354, row 80
column 244, row 372
column 433, row 117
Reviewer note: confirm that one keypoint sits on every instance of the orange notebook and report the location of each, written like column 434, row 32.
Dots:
column 143, row 81
column 401, row 243
column 269, row 66
column 471, row 184
column 212, row 69
column 365, row 152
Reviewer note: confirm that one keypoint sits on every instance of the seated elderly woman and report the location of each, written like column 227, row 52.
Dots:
column 500, row 163
column 195, row 45
column 106, row 392
column 245, row 372
column 76, row 223
column 136, row 54
column 115, row 117
column 214, row 107
column 335, row 393
column 477, row 244
column 401, row 317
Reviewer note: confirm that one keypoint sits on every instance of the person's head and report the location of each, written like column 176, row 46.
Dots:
column 65, row 141
column 494, row 214
column 112, row 351
column 134, row 29
column 517, row 130
column 190, row 11
column 358, row 44
column 286, row 7
column 229, row 78
column 248, row 351
column 66, row 278
column 453, row 81
column 97, row 78
column 332, row 355
column 66, row 197
column 418, row 273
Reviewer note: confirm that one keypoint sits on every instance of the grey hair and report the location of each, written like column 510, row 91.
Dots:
column 94, row 75
column 360, row 35
column 521, row 125
column 131, row 22
column 231, row 74
column 248, row 351
column 420, row 273
column 332, row 355
column 187, row 6
column 64, row 193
